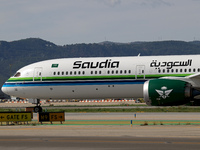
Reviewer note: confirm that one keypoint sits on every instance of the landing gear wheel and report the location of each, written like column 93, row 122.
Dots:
column 37, row 109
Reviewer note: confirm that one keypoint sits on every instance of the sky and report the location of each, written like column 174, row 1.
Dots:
column 92, row 21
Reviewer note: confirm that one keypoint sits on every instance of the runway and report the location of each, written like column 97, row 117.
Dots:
column 179, row 137
column 99, row 137
column 90, row 143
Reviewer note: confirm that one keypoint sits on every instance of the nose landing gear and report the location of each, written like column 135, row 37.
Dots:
column 38, row 107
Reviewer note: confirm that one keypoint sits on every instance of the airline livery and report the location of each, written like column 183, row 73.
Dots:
column 161, row 80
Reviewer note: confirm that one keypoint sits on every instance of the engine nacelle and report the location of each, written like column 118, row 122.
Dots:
column 167, row 92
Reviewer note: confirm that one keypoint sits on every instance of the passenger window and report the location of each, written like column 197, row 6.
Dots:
column 189, row 70
column 70, row 72
column 181, row 70
column 18, row 74
column 54, row 73
column 91, row 72
column 185, row 70
column 198, row 69
column 129, row 71
column 83, row 72
column 108, row 72
column 121, row 71
column 99, row 72
column 172, row 70
column 116, row 71
column 125, row 71
column 112, row 71
column 74, row 72
column 163, row 70
column 79, row 72
column 58, row 73
column 194, row 70
column 66, row 72
column 63, row 73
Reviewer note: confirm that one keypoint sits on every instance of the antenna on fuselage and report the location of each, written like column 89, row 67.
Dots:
column 138, row 55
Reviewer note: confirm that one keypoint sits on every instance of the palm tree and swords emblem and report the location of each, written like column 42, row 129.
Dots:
column 164, row 93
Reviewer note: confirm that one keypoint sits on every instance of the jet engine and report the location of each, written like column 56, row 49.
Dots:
column 167, row 92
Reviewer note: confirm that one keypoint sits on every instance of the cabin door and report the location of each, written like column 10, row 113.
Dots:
column 37, row 76
column 140, row 72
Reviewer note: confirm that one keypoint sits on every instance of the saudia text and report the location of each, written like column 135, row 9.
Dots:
column 104, row 64
column 171, row 64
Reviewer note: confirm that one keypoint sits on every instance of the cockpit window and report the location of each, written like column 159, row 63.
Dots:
column 17, row 74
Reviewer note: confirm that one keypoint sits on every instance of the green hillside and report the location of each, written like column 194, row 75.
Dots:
column 16, row 54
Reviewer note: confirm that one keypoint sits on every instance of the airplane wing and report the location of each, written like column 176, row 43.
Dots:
column 194, row 79
column 194, row 76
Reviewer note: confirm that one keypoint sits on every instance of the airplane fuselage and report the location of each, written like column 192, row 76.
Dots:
column 100, row 77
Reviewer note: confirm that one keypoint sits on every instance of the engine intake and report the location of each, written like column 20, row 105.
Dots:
column 167, row 92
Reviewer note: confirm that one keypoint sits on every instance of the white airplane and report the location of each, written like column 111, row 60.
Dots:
column 161, row 80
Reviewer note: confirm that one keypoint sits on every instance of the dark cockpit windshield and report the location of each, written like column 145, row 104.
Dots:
column 18, row 74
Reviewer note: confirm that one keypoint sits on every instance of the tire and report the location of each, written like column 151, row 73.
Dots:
column 37, row 109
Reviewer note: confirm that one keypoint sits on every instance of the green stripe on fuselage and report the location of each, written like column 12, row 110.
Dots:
column 54, row 78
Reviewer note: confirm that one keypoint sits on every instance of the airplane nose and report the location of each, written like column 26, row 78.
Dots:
column 4, row 90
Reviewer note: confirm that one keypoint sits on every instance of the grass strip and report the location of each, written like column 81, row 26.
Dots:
column 110, row 122
column 105, row 110
column 167, row 109
column 122, row 122
column 119, row 105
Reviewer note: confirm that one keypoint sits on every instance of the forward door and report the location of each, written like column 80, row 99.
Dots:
column 140, row 72
column 37, row 74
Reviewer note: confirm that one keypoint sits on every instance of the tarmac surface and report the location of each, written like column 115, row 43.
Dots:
column 179, row 137
column 100, row 137
column 99, row 143
column 86, row 137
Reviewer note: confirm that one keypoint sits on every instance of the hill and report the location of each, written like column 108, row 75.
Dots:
column 16, row 54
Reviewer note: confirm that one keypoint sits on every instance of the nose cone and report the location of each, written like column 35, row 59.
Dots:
column 4, row 89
